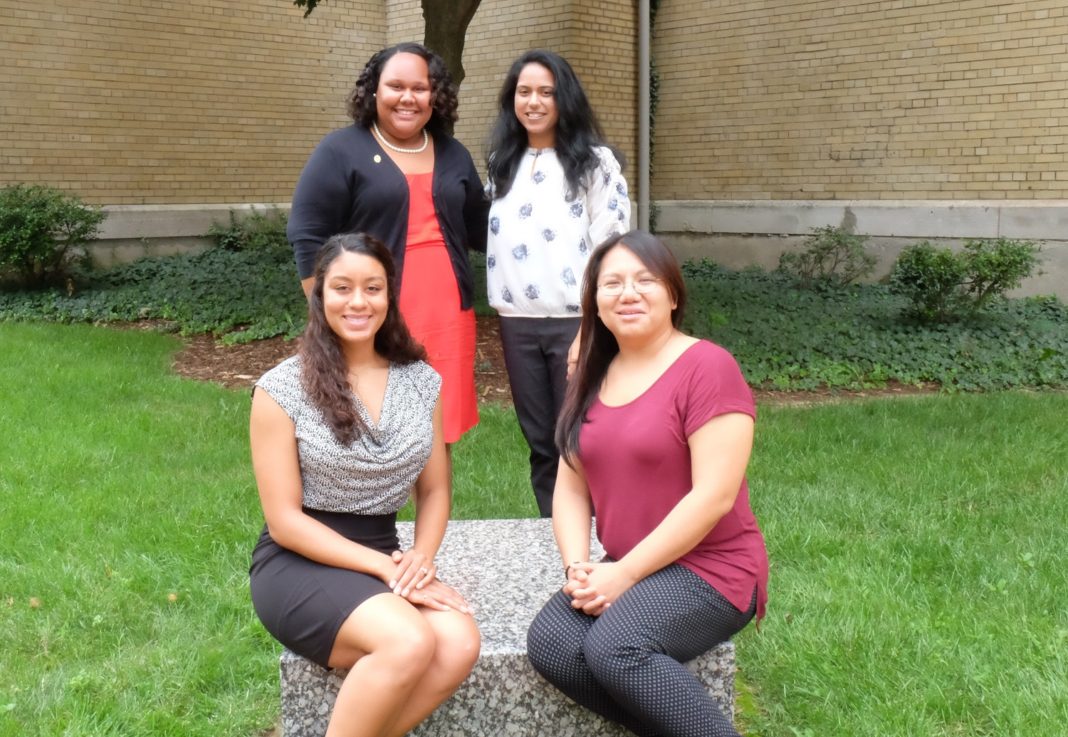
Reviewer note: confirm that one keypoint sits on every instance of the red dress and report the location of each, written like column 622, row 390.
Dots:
column 430, row 304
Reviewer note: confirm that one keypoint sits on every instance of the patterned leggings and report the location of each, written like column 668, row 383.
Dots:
column 627, row 664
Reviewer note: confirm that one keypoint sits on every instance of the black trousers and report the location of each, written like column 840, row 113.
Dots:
column 628, row 664
column 535, row 354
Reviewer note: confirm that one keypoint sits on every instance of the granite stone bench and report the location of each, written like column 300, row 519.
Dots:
column 503, row 695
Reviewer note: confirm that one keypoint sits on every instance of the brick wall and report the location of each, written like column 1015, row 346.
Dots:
column 404, row 21
column 596, row 36
column 175, row 102
column 823, row 99
column 196, row 102
column 604, row 50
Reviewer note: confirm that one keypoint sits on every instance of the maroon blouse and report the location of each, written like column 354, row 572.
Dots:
column 637, row 465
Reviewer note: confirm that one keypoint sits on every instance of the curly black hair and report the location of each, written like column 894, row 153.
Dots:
column 361, row 105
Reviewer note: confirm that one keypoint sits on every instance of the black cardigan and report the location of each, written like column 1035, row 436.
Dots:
column 350, row 185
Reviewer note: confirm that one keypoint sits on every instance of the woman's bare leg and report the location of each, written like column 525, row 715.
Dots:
column 456, row 651
column 387, row 645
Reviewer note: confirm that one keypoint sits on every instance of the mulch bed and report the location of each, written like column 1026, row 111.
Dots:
column 238, row 366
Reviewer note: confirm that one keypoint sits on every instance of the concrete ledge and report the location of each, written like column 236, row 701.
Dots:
column 503, row 695
column 171, row 221
column 740, row 233
column 131, row 232
column 1030, row 219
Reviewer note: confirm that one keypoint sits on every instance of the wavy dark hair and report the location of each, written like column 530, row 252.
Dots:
column 597, row 346
column 361, row 105
column 324, row 374
column 577, row 129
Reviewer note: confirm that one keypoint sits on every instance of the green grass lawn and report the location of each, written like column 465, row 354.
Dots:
column 918, row 574
column 919, row 570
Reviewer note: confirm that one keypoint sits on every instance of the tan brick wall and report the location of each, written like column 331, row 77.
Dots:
column 824, row 99
column 604, row 51
column 175, row 102
column 404, row 21
column 203, row 103
column 196, row 102
column 596, row 36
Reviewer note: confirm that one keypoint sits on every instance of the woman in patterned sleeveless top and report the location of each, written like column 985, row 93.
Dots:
column 341, row 435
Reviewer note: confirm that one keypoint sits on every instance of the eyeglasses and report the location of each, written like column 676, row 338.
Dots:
column 615, row 287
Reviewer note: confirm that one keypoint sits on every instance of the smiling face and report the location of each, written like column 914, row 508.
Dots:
column 403, row 99
column 535, row 105
column 632, row 314
column 355, row 297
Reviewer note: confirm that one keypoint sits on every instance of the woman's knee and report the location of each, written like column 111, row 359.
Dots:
column 390, row 629
column 551, row 647
column 608, row 653
column 457, row 641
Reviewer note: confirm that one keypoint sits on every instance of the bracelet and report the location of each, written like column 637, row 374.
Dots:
column 567, row 568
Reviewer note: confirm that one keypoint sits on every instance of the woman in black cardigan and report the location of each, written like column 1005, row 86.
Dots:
column 397, row 174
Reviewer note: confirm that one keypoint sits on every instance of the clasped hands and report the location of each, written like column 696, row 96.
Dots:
column 414, row 578
column 594, row 586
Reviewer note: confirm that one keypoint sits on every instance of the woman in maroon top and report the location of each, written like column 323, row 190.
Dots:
column 656, row 432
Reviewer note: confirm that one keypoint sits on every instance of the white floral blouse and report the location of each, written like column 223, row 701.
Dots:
column 539, row 241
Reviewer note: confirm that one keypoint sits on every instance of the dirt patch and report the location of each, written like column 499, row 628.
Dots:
column 892, row 389
column 239, row 366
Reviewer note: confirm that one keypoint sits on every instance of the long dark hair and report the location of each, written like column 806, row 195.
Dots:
column 324, row 374
column 361, row 104
column 577, row 129
column 597, row 346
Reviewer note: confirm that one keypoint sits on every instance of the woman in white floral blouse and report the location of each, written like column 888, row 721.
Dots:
column 557, row 192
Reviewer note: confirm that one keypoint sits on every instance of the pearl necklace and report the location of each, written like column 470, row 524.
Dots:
column 398, row 149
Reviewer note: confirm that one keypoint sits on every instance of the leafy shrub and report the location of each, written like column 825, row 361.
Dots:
column 931, row 279
column 942, row 286
column 799, row 339
column 254, row 231
column 995, row 267
column 830, row 255
column 43, row 232
column 784, row 338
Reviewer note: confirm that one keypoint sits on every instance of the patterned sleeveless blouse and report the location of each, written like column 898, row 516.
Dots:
column 375, row 474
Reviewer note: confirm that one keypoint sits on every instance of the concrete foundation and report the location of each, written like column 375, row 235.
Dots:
column 744, row 233
column 734, row 233
column 131, row 232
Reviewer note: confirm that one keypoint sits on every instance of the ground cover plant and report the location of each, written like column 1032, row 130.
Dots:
column 849, row 337
column 857, row 337
column 239, row 295
column 918, row 574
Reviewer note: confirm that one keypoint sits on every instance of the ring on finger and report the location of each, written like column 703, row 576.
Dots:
column 424, row 571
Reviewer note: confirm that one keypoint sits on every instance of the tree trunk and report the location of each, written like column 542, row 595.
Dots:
column 445, row 31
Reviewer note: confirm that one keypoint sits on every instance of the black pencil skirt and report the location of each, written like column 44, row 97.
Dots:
column 303, row 603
